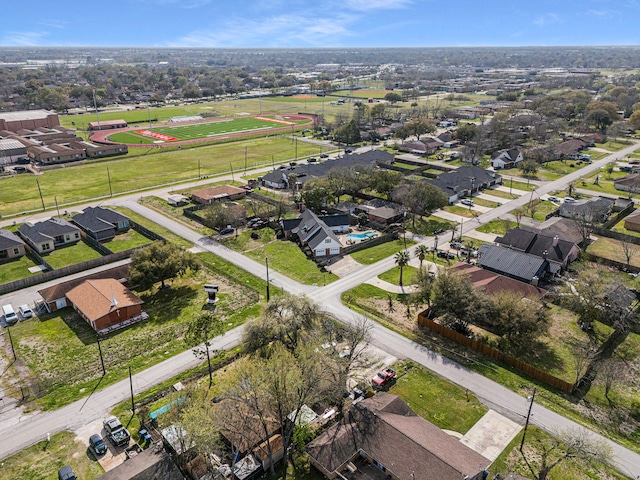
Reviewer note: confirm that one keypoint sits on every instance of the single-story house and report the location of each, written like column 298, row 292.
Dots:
column 507, row 159
column 570, row 149
column 310, row 230
column 381, row 211
column 493, row 283
column 207, row 196
column 11, row 245
column 105, row 303
column 385, row 435
column 553, row 249
column 628, row 183
column 465, row 181
column 101, row 224
column 631, row 222
column 564, row 228
column 55, row 297
column 421, row 147
column 47, row 235
column 595, row 210
column 512, row 263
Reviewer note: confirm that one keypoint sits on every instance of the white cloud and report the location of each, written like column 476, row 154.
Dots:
column 602, row 13
column 365, row 5
column 287, row 30
column 22, row 39
column 548, row 19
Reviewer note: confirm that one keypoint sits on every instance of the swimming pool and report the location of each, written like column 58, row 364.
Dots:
column 354, row 237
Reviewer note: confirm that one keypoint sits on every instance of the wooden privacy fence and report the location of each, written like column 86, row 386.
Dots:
column 493, row 353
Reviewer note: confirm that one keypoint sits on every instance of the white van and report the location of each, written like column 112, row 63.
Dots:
column 9, row 315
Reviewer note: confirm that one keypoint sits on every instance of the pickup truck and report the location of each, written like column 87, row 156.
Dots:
column 118, row 435
column 383, row 377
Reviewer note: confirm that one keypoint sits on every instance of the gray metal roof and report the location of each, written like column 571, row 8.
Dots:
column 515, row 264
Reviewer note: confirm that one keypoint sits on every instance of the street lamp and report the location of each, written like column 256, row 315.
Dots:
column 526, row 423
column 266, row 261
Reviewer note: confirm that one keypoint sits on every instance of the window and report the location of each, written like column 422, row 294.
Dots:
column 328, row 240
column 46, row 246
column 77, row 235
column 16, row 251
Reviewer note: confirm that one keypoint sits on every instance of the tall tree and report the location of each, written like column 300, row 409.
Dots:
column 421, row 252
column 348, row 134
column 160, row 262
column 419, row 126
column 420, row 198
column 402, row 260
column 200, row 331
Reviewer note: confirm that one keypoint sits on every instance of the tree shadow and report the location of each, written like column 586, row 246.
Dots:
column 540, row 355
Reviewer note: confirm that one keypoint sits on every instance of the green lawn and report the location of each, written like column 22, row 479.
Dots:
column 428, row 225
column 127, row 240
column 511, row 460
column 484, row 203
column 130, row 138
column 461, row 210
column 393, row 276
column 42, row 461
column 436, row 399
column 154, row 227
column 497, row 226
column 556, row 169
column 605, row 183
column 287, row 258
column 612, row 249
column 374, row 254
column 149, row 168
column 614, row 146
column 499, row 193
column 16, row 269
column 65, row 256
column 407, row 166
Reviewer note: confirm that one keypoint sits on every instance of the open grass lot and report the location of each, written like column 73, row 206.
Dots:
column 614, row 146
column 374, row 254
column 127, row 240
column 558, row 168
column 484, row 202
column 176, row 213
column 517, row 185
column 461, row 210
column 428, row 225
column 612, row 249
column 499, row 193
column 436, row 399
column 160, row 230
column 42, row 461
column 83, row 182
column 541, row 209
column 65, row 256
column 60, row 349
column 596, row 155
column 210, row 129
column 605, row 183
column 511, row 460
column 498, row 226
column 368, row 93
column 16, row 269
column 393, row 276
column 286, row 257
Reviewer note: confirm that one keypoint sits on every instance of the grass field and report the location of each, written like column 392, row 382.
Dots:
column 393, row 276
column 86, row 181
column 374, row 254
column 16, row 269
column 211, row 129
column 63, row 257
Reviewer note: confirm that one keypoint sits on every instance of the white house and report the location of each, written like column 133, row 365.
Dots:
column 507, row 159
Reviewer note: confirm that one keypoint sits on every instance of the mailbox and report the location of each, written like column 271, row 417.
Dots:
column 212, row 291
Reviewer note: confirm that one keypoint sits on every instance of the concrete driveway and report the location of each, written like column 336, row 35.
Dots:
column 491, row 435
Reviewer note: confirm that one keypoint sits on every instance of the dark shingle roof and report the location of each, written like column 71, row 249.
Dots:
column 97, row 219
column 515, row 264
column 463, row 178
column 9, row 240
column 47, row 230
column 386, row 428
column 536, row 244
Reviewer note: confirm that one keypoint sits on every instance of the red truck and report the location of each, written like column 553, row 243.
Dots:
column 383, row 377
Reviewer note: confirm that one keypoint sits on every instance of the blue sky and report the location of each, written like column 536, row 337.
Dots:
column 321, row 23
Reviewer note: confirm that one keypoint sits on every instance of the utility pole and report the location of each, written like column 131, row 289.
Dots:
column 133, row 405
column 526, row 423
column 95, row 105
column 13, row 350
column 40, row 192
column 57, row 208
column 104, row 371
column 245, row 160
column 199, row 176
column 231, row 167
column 109, row 179
column 266, row 261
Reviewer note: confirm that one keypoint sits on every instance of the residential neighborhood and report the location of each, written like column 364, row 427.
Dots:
column 425, row 280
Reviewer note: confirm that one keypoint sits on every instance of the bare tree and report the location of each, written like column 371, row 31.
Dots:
column 630, row 250
column 611, row 372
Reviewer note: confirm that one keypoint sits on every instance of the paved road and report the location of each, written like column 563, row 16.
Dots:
column 34, row 428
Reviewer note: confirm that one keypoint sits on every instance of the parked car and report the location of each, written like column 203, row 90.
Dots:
column 444, row 254
column 553, row 198
column 348, row 150
column 467, row 201
column 25, row 311
column 97, row 445
column 455, row 245
column 226, row 231
column 118, row 435
column 312, row 160
column 569, row 200
column 66, row 473
column 324, row 155
column 9, row 314
column 438, row 231
column 383, row 377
